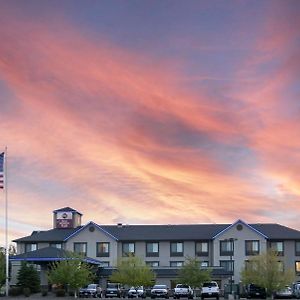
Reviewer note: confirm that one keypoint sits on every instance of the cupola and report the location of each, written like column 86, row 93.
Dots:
column 66, row 217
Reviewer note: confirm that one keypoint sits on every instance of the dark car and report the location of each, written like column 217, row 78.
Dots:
column 255, row 291
column 114, row 290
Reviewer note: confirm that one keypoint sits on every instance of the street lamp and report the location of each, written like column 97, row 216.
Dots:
column 231, row 240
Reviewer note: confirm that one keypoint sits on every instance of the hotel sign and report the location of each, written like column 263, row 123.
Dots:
column 64, row 220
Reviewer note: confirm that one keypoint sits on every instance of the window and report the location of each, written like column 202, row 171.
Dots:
column 226, row 248
column 297, row 248
column 176, row 264
column 152, row 249
column 152, row 264
column 56, row 245
column 80, row 248
column 102, row 249
column 228, row 265
column 202, row 248
column 128, row 249
column 203, row 264
column 297, row 267
column 278, row 247
column 30, row 247
column 104, row 264
column 252, row 247
column 176, row 249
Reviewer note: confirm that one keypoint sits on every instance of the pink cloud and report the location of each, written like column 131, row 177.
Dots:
column 76, row 126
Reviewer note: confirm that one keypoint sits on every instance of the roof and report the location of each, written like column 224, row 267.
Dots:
column 66, row 209
column 48, row 254
column 52, row 235
column 277, row 231
column 162, row 232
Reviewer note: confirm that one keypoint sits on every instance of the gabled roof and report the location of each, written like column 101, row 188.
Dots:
column 67, row 209
column 240, row 222
column 48, row 254
column 85, row 226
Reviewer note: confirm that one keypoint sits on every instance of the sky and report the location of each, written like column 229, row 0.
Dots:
column 150, row 112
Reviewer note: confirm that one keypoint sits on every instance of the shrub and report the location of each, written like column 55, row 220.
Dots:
column 15, row 291
column 26, row 292
column 28, row 277
column 60, row 293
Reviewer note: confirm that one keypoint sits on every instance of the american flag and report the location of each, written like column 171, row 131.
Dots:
column 1, row 170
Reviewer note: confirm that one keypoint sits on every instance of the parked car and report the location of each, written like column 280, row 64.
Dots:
column 210, row 290
column 91, row 290
column 296, row 289
column 140, row 291
column 160, row 291
column 114, row 290
column 255, row 291
column 183, row 290
column 286, row 292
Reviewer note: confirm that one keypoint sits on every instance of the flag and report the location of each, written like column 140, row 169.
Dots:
column 1, row 170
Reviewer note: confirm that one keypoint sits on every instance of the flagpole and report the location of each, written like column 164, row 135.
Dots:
column 6, row 225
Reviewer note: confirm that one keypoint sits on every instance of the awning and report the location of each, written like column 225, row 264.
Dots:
column 49, row 254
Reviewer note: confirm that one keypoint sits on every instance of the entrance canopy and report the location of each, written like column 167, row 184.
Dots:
column 49, row 254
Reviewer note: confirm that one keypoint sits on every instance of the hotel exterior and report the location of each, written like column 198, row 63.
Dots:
column 224, row 248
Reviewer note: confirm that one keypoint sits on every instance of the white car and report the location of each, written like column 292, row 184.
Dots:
column 286, row 292
column 160, row 291
column 138, row 290
column 210, row 290
column 183, row 290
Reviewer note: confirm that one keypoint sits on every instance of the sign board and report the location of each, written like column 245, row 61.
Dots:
column 64, row 220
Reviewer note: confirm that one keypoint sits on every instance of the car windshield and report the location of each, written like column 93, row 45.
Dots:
column 209, row 284
column 182, row 286
column 160, row 287
column 255, row 287
column 112, row 285
column 92, row 286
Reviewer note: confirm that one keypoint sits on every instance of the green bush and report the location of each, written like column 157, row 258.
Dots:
column 26, row 292
column 15, row 291
column 28, row 277
column 60, row 293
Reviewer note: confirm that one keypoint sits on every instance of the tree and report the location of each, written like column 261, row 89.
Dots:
column 28, row 277
column 71, row 272
column 133, row 272
column 2, row 267
column 11, row 251
column 264, row 270
column 192, row 274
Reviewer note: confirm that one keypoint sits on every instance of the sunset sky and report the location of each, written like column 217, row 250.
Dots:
column 150, row 112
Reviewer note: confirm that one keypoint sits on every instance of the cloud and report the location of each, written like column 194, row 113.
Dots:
column 94, row 127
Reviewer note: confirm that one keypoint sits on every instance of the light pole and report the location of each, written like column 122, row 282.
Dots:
column 231, row 240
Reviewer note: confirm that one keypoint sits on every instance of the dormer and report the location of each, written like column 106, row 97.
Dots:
column 66, row 217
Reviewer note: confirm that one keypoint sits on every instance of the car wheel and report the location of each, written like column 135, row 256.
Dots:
column 217, row 297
